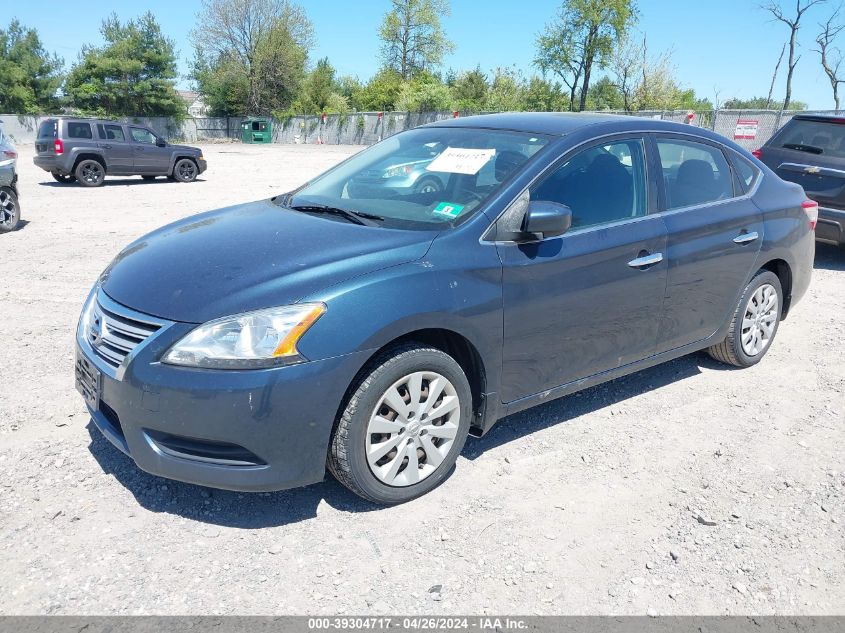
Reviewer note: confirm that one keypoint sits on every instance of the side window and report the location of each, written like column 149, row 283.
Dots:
column 746, row 172
column 140, row 135
column 602, row 184
column 111, row 132
column 693, row 173
column 79, row 130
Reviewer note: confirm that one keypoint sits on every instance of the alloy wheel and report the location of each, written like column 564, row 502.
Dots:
column 8, row 210
column 186, row 170
column 758, row 323
column 412, row 428
column 92, row 172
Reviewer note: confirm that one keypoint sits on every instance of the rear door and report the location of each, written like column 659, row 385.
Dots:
column 116, row 148
column 149, row 158
column 590, row 300
column 811, row 152
column 714, row 235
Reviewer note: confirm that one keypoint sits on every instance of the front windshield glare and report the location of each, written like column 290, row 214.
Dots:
column 424, row 178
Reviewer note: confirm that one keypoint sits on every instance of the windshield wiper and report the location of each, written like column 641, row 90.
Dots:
column 352, row 215
column 812, row 149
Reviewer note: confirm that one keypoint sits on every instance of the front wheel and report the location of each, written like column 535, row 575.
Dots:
column 404, row 425
column 10, row 211
column 62, row 178
column 90, row 173
column 185, row 170
column 754, row 322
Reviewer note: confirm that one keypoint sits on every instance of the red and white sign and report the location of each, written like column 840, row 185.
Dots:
column 746, row 129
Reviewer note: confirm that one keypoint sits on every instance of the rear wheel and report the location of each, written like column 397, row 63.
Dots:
column 185, row 170
column 62, row 178
column 404, row 425
column 90, row 173
column 754, row 323
column 10, row 211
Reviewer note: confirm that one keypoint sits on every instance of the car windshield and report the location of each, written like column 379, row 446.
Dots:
column 427, row 178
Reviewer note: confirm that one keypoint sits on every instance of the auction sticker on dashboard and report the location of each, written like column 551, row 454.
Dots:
column 448, row 209
column 460, row 160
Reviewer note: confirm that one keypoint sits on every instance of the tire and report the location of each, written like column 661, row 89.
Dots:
column 428, row 185
column 148, row 177
column 90, row 173
column 10, row 210
column 62, row 178
column 426, row 440
column 752, row 316
column 185, row 170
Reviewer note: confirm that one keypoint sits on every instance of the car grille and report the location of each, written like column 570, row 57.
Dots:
column 115, row 331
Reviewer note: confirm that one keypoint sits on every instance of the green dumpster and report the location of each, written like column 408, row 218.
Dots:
column 257, row 130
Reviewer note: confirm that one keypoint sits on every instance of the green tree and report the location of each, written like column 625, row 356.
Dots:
column 133, row 73
column 757, row 103
column 250, row 55
column 581, row 37
column 320, row 92
column 381, row 92
column 412, row 36
column 507, row 91
column 469, row 90
column 542, row 95
column 424, row 93
column 604, row 95
column 29, row 75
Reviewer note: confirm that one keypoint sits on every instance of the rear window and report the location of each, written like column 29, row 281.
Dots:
column 47, row 129
column 814, row 137
column 79, row 130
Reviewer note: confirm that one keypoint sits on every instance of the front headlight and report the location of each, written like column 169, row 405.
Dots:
column 402, row 170
column 253, row 340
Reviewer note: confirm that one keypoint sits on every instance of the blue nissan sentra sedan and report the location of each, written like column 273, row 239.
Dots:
column 370, row 330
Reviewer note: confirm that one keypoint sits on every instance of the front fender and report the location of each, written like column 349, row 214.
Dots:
column 457, row 287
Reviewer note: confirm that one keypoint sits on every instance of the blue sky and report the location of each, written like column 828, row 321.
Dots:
column 722, row 45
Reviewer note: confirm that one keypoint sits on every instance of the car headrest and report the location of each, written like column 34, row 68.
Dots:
column 506, row 162
column 695, row 171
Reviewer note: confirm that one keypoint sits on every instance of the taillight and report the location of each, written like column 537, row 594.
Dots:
column 59, row 146
column 811, row 208
column 10, row 154
column 758, row 154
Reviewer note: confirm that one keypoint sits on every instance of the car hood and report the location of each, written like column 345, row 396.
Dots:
column 248, row 257
column 185, row 148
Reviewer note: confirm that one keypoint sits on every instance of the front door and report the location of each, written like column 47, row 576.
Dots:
column 149, row 157
column 715, row 233
column 590, row 300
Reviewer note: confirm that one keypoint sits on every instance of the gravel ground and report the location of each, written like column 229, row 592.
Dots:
column 684, row 489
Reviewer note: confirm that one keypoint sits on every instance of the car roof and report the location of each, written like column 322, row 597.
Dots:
column 563, row 123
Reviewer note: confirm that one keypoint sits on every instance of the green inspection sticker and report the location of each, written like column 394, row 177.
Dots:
column 448, row 209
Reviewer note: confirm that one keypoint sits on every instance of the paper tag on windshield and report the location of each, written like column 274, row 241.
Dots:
column 458, row 160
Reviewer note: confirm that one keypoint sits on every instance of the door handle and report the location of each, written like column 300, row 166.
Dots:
column 105, row 146
column 745, row 238
column 646, row 260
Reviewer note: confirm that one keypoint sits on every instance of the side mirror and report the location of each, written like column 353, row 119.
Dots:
column 545, row 219
column 161, row 142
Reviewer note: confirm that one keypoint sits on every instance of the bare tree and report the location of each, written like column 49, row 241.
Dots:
column 831, row 57
column 775, row 77
column 794, row 23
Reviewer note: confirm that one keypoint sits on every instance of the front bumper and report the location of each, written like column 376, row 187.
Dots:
column 202, row 164
column 255, row 430
column 831, row 226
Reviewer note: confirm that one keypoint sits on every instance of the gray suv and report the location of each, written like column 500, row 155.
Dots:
column 89, row 149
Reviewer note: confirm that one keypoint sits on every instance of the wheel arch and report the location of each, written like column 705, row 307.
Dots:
column 89, row 156
column 448, row 341
column 178, row 157
column 783, row 270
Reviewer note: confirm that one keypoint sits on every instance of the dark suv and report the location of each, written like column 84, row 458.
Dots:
column 88, row 150
column 810, row 150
